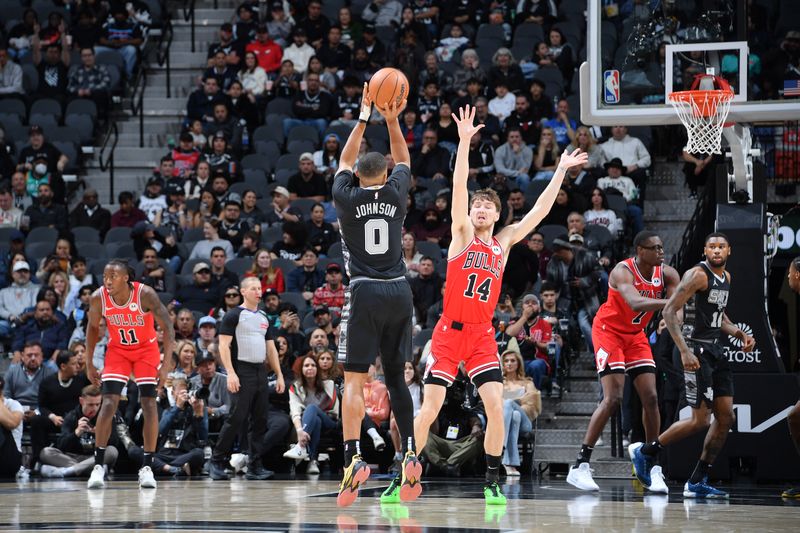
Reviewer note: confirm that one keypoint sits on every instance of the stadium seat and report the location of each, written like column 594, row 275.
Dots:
column 304, row 205
column 5, row 235
column 46, row 106
column 36, row 251
column 270, row 132
column 46, row 122
column 239, row 265
column 10, row 120
column 617, row 204
column 124, row 250
column 374, row 131
column 239, row 188
column 70, row 150
column 342, row 130
column 287, row 162
column 282, row 175
column 13, row 106
column 303, row 132
column 165, row 297
column 187, row 267
column 529, row 31
column 120, row 234
column 386, row 35
column 300, row 146
column 271, row 235
column 81, row 106
column 83, row 125
column 193, row 235
column 296, row 299
column 421, row 339
column 286, row 265
column 491, row 32
column 431, row 249
column 335, row 249
column 535, row 189
column 111, row 57
column 268, row 149
column 42, row 234
column 280, row 106
column 257, row 182
column 258, row 161
column 550, row 232
column 93, row 250
column 85, row 234
column 30, row 78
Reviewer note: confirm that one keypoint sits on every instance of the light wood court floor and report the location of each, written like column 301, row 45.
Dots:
column 446, row 505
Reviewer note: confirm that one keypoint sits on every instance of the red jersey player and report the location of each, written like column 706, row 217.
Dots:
column 474, row 271
column 637, row 288
column 130, row 308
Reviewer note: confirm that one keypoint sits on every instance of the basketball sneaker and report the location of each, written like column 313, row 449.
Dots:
column 641, row 466
column 355, row 475
column 657, row 483
column 392, row 493
column 146, row 478
column 97, row 480
column 492, row 494
column 411, row 486
column 703, row 490
column 581, row 477
column 788, row 493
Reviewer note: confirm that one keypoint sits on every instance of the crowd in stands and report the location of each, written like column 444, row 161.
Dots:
column 246, row 192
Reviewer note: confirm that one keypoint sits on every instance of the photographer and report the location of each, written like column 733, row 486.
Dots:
column 290, row 329
column 535, row 337
column 217, row 400
column 73, row 455
column 182, row 433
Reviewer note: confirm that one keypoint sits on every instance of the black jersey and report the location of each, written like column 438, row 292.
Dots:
column 371, row 224
column 709, row 306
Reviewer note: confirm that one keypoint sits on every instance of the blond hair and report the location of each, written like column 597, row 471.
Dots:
column 487, row 194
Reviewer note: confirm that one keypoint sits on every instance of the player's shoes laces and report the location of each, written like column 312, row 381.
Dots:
column 97, row 478
column 411, row 486
column 788, row 493
column 146, row 478
column 581, row 477
column 703, row 490
column 492, row 494
column 392, row 494
column 640, row 461
column 354, row 476
column 657, row 483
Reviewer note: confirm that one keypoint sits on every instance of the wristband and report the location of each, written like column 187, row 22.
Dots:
column 363, row 116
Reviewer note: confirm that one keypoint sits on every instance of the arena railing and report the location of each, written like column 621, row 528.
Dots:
column 137, row 100
column 188, row 16
column 106, row 157
column 700, row 224
column 780, row 151
column 162, row 53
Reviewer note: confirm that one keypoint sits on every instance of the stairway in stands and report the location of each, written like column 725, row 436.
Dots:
column 564, row 420
column 162, row 116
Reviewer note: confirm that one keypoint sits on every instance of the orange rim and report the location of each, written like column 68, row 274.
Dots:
column 704, row 103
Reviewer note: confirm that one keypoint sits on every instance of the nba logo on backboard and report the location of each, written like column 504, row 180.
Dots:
column 611, row 86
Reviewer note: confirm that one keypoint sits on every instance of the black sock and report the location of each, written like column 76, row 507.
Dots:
column 99, row 456
column 651, row 448
column 148, row 460
column 351, row 448
column 585, row 455
column 700, row 472
column 493, row 468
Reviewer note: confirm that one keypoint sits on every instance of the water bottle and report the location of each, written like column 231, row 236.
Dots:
column 555, row 104
column 245, row 140
column 171, row 142
column 551, row 350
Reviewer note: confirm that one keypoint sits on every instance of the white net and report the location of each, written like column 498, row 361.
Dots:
column 703, row 113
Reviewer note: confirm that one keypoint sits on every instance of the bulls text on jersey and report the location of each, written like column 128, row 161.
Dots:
column 482, row 261
column 125, row 320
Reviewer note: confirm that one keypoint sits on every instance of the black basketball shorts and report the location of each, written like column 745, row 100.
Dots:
column 712, row 380
column 376, row 320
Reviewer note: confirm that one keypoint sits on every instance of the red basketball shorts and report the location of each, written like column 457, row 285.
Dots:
column 143, row 363
column 616, row 352
column 472, row 343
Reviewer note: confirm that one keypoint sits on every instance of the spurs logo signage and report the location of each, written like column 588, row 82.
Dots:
column 734, row 350
column 744, row 421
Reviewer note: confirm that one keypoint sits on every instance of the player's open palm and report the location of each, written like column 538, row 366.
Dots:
column 569, row 160
column 465, row 121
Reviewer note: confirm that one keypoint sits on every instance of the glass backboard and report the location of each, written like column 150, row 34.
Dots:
column 640, row 51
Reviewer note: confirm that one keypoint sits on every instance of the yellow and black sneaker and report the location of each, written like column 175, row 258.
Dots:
column 411, row 484
column 794, row 492
column 355, row 475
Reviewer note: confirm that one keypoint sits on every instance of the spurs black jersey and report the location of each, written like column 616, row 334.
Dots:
column 709, row 306
column 371, row 224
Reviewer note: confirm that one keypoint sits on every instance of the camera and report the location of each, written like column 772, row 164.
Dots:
column 201, row 392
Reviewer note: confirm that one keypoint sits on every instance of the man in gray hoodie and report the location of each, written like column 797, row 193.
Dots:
column 17, row 297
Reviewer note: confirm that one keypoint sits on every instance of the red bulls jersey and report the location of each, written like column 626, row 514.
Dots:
column 617, row 315
column 129, row 328
column 473, row 282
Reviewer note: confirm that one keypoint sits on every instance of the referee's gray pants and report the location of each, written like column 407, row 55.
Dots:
column 251, row 399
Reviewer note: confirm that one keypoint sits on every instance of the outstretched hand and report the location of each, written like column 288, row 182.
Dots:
column 392, row 111
column 366, row 101
column 574, row 159
column 464, row 120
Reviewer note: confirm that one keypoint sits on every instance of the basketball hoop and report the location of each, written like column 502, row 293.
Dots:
column 703, row 112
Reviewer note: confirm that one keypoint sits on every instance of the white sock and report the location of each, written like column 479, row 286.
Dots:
column 372, row 432
column 68, row 471
column 398, row 456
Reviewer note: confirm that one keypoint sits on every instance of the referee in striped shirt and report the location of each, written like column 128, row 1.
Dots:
column 245, row 344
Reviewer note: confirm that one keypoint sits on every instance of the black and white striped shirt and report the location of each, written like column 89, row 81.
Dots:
column 250, row 331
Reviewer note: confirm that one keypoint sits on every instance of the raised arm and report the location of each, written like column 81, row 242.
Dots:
column 693, row 281
column 350, row 151
column 514, row 233
column 622, row 280
column 397, row 142
column 461, row 227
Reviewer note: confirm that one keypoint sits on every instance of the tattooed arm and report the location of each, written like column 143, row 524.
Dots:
column 693, row 281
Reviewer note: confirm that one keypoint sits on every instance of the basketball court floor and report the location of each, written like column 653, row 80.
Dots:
column 452, row 505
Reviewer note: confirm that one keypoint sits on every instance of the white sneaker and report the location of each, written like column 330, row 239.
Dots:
column 313, row 468
column 581, row 477
column 511, row 471
column 323, row 458
column 657, row 483
column 657, row 503
column 97, row 479
column 51, row 471
column 379, row 443
column 146, row 478
column 296, row 452
column 207, row 451
column 238, row 462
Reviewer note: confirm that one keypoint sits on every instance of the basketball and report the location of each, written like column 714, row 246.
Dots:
column 387, row 85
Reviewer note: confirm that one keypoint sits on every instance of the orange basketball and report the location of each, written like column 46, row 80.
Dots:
column 387, row 85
